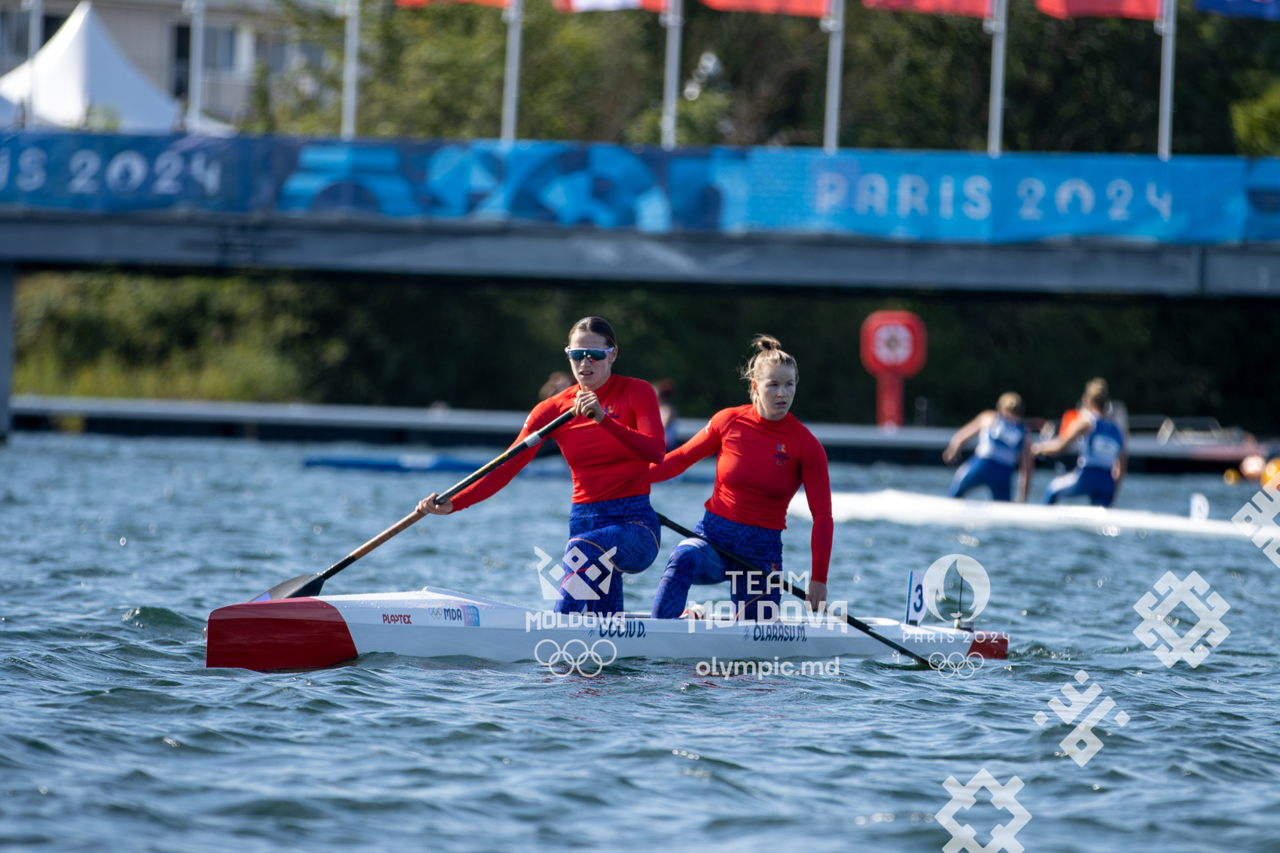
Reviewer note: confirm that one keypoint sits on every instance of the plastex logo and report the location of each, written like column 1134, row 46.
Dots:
column 1258, row 519
column 1002, row 797
column 1081, row 744
column 575, row 656
column 1209, row 612
column 570, row 577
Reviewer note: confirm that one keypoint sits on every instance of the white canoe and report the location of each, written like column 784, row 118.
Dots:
column 912, row 508
column 302, row 633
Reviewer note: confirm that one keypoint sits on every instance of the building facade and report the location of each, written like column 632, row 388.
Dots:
column 240, row 36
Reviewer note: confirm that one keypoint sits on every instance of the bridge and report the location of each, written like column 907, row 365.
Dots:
column 1192, row 227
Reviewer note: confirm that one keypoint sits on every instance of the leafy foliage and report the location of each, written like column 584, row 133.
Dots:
column 910, row 81
column 478, row 344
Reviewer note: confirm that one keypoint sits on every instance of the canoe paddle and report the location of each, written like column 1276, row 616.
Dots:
column 793, row 589
column 305, row 585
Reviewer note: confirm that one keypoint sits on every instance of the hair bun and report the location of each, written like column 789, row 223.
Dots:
column 764, row 343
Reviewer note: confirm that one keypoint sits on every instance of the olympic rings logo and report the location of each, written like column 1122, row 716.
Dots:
column 956, row 664
column 588, row 662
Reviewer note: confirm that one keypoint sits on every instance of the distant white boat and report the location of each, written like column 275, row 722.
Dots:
column 913, row 508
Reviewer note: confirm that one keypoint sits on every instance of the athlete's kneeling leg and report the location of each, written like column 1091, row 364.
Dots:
column 756, row 596
column 1000, row 482
column 996, row 476
column 692, row 561
column 1065, row 486
column 597, row 559
column 962, row 482
column 1100, row 486
column 1095, row 483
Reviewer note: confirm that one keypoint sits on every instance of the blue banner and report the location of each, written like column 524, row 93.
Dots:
column 909, row 196
column 1266, row 9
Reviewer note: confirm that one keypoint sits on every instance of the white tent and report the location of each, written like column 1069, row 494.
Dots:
column 83, row 77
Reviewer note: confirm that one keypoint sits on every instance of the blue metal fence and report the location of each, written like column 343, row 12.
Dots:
column 911, row 196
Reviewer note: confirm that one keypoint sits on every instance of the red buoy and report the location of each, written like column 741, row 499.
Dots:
column 894, row 347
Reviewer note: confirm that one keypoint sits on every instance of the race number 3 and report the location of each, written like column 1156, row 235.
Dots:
column 915, row 597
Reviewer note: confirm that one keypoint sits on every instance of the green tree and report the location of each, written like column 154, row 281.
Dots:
column 910, row 81
column 1257, row 123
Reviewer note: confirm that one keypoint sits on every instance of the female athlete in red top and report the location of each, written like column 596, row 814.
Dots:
column 609, row 449
column 765, row 456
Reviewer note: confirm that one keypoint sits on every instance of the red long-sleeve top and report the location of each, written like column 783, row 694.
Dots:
column 761, row 466
column 608, row 460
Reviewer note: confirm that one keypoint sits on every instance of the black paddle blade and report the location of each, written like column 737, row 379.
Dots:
column 299, row 587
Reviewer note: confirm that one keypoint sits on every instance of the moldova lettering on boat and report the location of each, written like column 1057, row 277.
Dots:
column 609, row 625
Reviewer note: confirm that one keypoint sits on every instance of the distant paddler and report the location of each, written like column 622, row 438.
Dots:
column 1103, row 458
column 765, row 455
column 1003, row 448
column 609, row 448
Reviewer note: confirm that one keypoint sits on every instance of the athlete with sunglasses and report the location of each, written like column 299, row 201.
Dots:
column 765, row 455
column 609, row 449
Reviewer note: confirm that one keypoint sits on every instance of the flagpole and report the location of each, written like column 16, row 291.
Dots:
column 195, row 76
column 1167, row 27
column 350, row 70
column 834, row 24
column 997, row 24
column 514, row 16
column 673, row 20
column 35, row 39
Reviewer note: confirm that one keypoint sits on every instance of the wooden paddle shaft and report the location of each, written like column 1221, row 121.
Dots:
column 412, row 518
column 397, row 528
column 532, row 441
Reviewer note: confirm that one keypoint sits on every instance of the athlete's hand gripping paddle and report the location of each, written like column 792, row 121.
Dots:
column 304, row 585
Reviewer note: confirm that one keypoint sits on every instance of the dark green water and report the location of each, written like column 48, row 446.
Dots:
column 114, row 736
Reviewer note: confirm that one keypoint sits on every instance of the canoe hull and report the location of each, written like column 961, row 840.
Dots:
column 323, row 631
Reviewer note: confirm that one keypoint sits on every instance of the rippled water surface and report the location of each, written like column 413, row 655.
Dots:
column 114, row 736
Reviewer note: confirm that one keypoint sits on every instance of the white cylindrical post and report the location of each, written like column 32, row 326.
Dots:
column 673, row 20
column 1167, row 26
column 35, row 40
column 195, row 77
column 996, row 25
column 350, row 70
column 514, row 16
column 834, row 24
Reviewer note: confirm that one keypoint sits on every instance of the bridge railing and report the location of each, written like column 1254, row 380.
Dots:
column 908, row 196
